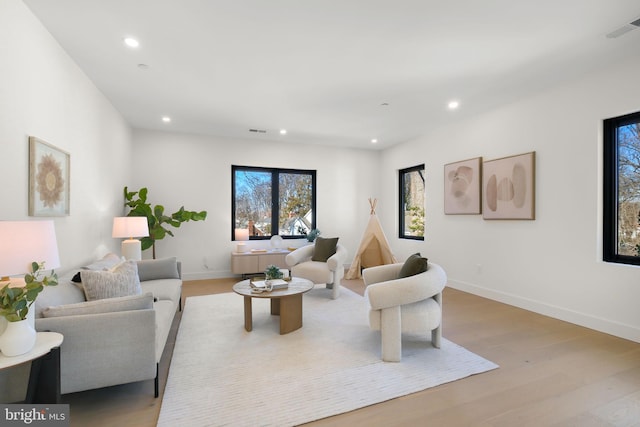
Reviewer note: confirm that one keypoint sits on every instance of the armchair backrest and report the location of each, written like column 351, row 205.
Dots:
column 385, row 290
column 305, row 253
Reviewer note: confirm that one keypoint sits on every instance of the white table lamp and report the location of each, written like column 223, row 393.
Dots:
column 241, row 235
column 128, row 227
column 24, row 242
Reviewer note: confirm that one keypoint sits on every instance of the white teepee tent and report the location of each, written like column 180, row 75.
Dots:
column 374, row 247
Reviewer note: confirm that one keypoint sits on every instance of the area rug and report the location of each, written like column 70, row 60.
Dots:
column 221, row 375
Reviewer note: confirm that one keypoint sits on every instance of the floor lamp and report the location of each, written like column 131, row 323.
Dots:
column 128, row 227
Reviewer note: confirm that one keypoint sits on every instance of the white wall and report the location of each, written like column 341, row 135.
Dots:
column 43, row 93
column 552, row 265
column 195, row 172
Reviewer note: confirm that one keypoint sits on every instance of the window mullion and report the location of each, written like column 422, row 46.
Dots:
column 275, row 203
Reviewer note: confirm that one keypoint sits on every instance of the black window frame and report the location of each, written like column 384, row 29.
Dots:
column 401, row 201
column 610, row 188
column 275, row 199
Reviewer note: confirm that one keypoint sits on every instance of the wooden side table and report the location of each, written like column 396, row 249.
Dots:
column 44, row 378
column 256, row 262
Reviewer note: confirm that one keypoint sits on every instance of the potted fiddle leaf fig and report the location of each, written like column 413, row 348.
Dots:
column 158, row 221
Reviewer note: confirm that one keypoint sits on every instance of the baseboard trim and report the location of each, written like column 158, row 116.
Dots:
column 607, row 326
column 204, row 275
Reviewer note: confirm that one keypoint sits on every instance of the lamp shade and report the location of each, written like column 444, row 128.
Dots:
column 130, row 226
column 24, row 242
column 241, row 234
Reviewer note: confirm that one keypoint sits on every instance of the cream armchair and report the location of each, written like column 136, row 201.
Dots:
column 410, row 304
column 329, row 273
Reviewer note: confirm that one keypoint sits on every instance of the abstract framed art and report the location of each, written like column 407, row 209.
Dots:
column 462, row 187
column 508, row 186
column 48, row 179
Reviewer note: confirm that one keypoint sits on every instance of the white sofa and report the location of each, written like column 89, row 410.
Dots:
column 114, row 340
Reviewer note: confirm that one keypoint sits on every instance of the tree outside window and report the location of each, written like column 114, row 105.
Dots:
column 270, row 201
column 621, row 222
column 412, row 203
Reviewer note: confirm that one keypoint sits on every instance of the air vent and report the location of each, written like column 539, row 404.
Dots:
column 258, row 130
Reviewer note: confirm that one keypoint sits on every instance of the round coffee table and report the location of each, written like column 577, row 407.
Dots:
column 287, row 303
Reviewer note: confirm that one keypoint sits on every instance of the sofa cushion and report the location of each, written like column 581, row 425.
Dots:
column 153, row 269
column 415, row 264
column 120, row 281
column 416, row 317
column 317, row 272
column 163, row 289
column 165, row 312
column 324, row 248
column 65, row 293
column 107, row 305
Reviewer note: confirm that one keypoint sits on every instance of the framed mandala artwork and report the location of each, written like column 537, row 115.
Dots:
column 48, row 179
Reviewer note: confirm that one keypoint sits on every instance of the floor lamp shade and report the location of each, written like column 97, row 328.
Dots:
column 128, row 227
column 25, row 242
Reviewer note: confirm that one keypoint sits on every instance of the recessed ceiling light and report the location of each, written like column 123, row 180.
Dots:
column 131, row 42
column 166, row 119
column 453, row 105
column 283, row 131
column 374, row 141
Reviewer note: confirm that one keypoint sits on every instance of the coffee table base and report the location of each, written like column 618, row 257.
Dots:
column 286, row 303
column 289, row 308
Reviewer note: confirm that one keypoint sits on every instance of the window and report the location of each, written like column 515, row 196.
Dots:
column 621, row 178
column 412, row 203
column 272, row 202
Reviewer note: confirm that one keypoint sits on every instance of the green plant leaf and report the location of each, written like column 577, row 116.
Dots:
column 158, row 211
column 146, row 243
column 142, row 194
column 156, row 216
column 173, row 223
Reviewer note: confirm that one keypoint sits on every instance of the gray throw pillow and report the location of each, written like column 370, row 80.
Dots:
column 107, row 305
column 324, row 249
column 154, row 269
column 415, row 264
column 120, row 281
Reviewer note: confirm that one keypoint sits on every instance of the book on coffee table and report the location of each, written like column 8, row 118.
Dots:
column 275, row 283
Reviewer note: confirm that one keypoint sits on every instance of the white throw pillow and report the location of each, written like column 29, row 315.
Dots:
column 122, row 280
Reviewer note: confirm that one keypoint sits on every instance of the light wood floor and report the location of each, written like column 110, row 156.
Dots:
column 551, row 373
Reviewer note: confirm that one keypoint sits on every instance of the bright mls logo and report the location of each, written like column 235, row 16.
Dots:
column 34, row 415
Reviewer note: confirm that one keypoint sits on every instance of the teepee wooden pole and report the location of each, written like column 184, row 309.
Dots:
column 373, row 203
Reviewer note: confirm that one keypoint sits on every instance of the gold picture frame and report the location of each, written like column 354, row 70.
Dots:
column 509, row 187
column 463, row 187
column 49, row 190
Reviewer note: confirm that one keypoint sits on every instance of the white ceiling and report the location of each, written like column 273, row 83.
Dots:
column 323, row 68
